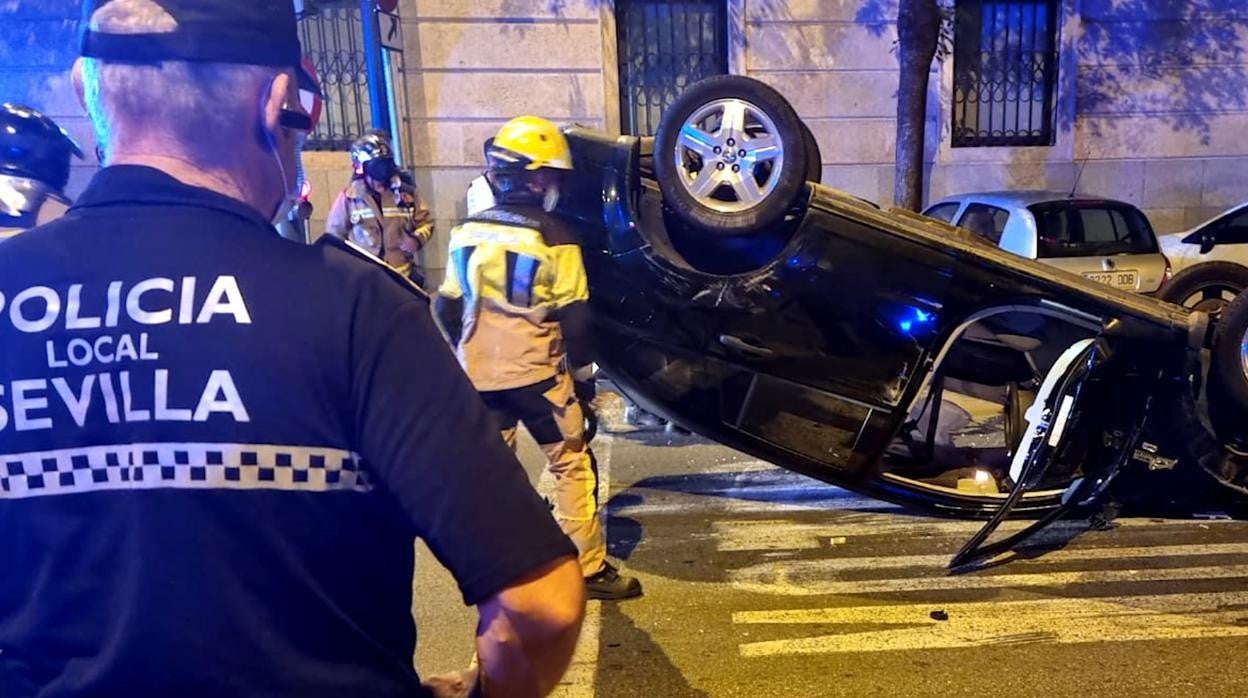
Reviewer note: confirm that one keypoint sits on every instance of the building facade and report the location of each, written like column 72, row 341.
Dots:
column 1143, row 100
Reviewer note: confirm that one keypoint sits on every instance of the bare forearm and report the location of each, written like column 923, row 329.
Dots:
column 526, row 636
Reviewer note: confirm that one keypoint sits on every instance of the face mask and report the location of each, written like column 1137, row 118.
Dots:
column 380, row 169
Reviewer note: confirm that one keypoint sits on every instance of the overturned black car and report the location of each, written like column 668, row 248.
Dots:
column 880, row 350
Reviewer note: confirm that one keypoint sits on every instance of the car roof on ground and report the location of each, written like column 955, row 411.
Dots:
column 1022, row 197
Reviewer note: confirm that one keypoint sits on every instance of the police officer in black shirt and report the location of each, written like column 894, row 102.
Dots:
column 205, row 488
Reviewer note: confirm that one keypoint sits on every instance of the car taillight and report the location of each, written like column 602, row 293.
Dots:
column 1165, row 275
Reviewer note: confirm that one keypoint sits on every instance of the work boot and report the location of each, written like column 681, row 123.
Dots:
column 608, row 585
column 638, row 417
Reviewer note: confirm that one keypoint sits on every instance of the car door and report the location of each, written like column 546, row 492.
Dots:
column 1056, row 434
column 818, row 353
column 1230, row 239
column 1104, row 241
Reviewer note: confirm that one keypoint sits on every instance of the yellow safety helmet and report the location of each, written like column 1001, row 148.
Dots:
column 531, row 143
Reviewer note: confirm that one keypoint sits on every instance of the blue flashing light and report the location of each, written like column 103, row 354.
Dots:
column 913, row 319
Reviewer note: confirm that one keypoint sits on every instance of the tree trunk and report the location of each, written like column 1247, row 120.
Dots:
column 918, row 31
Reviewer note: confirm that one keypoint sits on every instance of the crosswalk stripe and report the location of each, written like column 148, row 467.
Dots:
column 971, row 624
column 740, row 504
column 1011, row 609
column 777, row 534
column 789, row 579
column 582, row 674
column 843, row 564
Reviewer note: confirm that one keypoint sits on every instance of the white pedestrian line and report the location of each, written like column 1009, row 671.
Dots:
column 580, row 679
column 973, row 624
column 843, row 564
column 712, row 503
column 783, row 579
column 778, row 534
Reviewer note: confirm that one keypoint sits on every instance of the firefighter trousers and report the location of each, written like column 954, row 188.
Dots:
column 552, row 414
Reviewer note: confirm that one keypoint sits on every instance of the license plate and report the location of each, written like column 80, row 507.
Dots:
column 1118, row 279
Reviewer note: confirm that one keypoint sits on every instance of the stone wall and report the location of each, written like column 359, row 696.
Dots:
column 838, row 70
column 1163, row 104
column 1152, row 97
column 38, row 45
column 474, row 64
column 1151, row 107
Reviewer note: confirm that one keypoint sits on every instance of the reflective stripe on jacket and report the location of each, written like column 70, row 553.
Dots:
column 517, row 270
column 391, row 232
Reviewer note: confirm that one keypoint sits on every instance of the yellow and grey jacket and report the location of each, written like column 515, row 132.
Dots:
column 514, row 298
column 392, row 232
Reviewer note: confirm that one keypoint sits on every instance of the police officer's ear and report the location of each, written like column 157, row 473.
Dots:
column 279, row 94
column 76, row 77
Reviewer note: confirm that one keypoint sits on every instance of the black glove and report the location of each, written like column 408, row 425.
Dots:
column 450, row 315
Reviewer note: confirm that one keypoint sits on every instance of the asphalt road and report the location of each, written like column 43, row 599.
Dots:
column 763, row 583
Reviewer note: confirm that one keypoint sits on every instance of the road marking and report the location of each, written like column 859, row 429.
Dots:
column 780, row 580
column 974, row 624
column 581, row 677
column 768, row 534
column 727, row 505
column 843, row 564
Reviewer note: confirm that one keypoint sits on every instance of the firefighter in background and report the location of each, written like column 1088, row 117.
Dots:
column 514, row 304
column 380, row 210
column 35, row 155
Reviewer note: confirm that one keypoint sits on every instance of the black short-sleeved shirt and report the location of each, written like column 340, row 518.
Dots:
column 216, row 447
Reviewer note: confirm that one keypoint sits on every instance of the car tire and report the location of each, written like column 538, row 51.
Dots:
column 1206, row 286
column 726, row 204
column 814, row 158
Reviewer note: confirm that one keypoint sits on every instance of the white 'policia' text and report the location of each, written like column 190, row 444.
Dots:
column 125, row 396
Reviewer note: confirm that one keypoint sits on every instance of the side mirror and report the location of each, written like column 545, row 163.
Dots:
column 1206, row 241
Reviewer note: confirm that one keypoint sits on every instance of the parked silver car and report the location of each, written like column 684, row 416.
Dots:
column 1104, row 240
column 1210, row 262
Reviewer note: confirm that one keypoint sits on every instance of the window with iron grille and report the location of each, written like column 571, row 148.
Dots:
column 333, row 39
column 664, row 46
column 1004, row 72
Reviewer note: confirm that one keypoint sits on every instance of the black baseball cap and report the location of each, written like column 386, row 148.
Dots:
column 249, row 32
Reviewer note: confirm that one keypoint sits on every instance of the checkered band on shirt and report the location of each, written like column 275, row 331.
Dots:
column 181, row 466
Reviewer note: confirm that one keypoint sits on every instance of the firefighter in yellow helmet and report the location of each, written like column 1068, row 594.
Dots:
column 514, row 303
